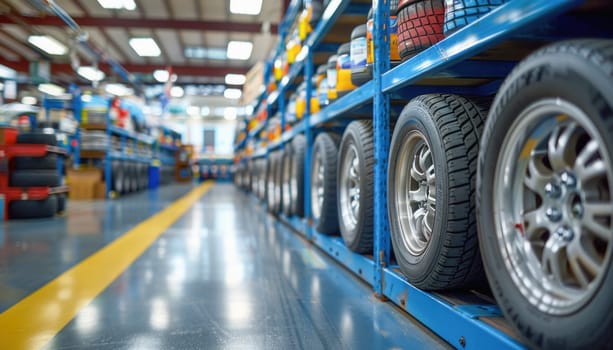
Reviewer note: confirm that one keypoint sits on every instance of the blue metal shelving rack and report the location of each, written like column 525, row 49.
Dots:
column 462, row 324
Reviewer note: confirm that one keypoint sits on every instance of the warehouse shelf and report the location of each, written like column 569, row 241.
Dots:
column 472, row 61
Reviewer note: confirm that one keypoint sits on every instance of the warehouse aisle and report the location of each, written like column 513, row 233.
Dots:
column 224, row 276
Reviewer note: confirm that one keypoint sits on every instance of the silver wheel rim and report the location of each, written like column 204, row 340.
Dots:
column 317, row 186
column 553, row 210
column 350, row 190
column 415, row 194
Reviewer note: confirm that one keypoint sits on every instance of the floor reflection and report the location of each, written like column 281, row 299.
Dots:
column 228, row 276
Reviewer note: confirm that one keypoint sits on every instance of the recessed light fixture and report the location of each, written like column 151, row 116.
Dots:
column 193, row 111
column 246, row 7
column 177, row 92
column 229, row 113
column 161, row 75
column 232, row 94
column 235, row 79
column 145, row 47
column 118, row 4
column 205, row 111
column 91, row 73
column 51, row 89
column 48, row 44
column 239, row 50
column 29, row 100
column 118, row 90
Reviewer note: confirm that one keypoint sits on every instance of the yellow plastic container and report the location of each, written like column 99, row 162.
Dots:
column 343, row 70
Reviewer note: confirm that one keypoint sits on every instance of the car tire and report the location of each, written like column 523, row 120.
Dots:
column 431, row 192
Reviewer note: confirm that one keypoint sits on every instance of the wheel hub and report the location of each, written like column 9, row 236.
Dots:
column 554, row 206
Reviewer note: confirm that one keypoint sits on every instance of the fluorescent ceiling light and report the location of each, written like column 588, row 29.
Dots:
column 246, row 7
column 193, row 111
column 205, row 111
column 7, row 73
column 90, row 73
column 199, row 52
column 145, row 47
column 177, row 92
column 161, row 75
column 48, row 44
column 232, row 94
column 229, row 113
column 118, row 4
column 235, row 79
column 118, row 90
column 239, row 50
column 29, row 100
column 51, row 89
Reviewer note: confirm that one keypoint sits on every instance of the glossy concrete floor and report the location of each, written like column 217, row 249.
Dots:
column 224, row 276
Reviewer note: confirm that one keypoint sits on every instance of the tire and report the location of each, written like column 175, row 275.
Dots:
column 460, row 13
column 133, row 176
column 278, row 202
column 271, row 177
column 565, row 90
column 117, row 174
column 434, row 148
column 61, row 203
column 48, row 162
column 297, row 175
column 30, row 209
column 355, row 186
column 127, row 181
column 34, row 178
column 37, row 138
column 420, row 25
column 323, row 183
column 286, row 190
column 145, row 176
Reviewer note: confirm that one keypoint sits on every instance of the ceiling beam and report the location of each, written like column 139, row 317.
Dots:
column 181, row 70
column 115, row 22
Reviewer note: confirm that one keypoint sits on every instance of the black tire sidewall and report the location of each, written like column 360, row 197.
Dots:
column 415, row 117
column 573, row 80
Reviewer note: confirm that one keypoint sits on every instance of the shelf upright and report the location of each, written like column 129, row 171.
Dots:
column 381, row 130
column 108, row 172
column 308, row 133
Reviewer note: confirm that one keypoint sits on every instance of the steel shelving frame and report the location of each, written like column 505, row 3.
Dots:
column 462, row 324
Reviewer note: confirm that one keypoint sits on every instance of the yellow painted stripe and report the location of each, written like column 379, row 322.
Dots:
column 35, row 320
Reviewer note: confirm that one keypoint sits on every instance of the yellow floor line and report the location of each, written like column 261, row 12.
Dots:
column 35, row 320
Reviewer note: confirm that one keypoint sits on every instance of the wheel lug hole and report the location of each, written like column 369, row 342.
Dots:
column 552, row 190
column 577, row 210
column 553, row 214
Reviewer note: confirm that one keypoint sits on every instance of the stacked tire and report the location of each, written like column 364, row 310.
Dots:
column 129, row 176
column 27, row 172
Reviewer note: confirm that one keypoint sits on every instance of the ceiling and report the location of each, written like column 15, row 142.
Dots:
column 173, row 24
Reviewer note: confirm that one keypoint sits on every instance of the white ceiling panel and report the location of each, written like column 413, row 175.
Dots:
column 184, row 9
column 93, row 8
column 191, row 37
column 120, row 37
column 101, row 42
column 17, row 46
column 214, row 10
column 71, row 7
column 216, row 39
column 153, row 8
column 171, row 45
column 22, row 7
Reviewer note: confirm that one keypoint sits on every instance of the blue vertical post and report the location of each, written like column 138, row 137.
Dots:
column 308, row 133
column 107, row 157
column 381, row 123
column 77, row 107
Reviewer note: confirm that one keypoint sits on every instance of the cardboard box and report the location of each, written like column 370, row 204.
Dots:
column 82, row 183
column 100, row 190
column 254, row 83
